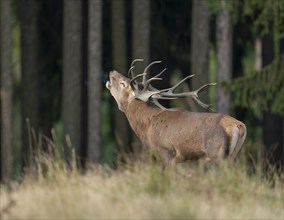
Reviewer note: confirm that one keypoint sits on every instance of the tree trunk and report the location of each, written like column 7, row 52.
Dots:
column 224, row 56
column 140, row 44
column 0, row 92
column 272, row 123
column 94, row 80
column 199, row 47
column 72, row 69
column 121, row 126
column 50, row 67
column 6, row 92
column 141, row 31
column 29, row 68
column 83, row 153
column 119, row 35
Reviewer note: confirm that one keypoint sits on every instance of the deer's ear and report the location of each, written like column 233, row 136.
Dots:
column 123, row 84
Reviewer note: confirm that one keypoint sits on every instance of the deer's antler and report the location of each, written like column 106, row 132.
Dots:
column 145, row 91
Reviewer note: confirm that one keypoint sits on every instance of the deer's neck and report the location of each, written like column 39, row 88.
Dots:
column 140, row 114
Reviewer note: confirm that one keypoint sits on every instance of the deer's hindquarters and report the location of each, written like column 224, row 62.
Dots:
column 185, row 136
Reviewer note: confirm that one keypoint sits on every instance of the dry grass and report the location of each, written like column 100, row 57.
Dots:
column 140, row 191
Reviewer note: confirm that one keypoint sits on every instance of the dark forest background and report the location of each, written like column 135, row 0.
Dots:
column 56, row 55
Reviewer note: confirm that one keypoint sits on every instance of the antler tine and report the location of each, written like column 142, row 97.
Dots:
column 146, row 69
column 160, row 73
column 196, row 98
column 147, row 83
column 206, row 86
column 136, row 60
column 156, row 77
column 168, row 94
column 133, row 83
column 170, row 90
column 136, row 77
column 180, row 82
column 132, row 67
column 130, row 73
column 194, row 95
column 203, row 105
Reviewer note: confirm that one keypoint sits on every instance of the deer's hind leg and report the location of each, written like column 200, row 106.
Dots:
column 170, row 158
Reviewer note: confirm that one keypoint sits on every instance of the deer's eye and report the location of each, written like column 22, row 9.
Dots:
column 123, row 84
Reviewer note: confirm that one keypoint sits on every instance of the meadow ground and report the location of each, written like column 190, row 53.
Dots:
column 141, row 190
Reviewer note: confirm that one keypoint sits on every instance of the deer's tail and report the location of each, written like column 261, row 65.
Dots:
column 237, row 140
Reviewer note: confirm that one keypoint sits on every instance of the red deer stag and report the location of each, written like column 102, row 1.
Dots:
column 175, row 135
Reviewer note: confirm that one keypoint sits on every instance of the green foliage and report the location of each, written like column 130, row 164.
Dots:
column 263, row 13
column 260, row 91
column 265, row 16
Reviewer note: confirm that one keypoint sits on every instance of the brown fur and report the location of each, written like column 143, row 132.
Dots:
column 177, row 135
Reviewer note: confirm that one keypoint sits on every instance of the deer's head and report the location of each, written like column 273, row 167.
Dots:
column 120, row 89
